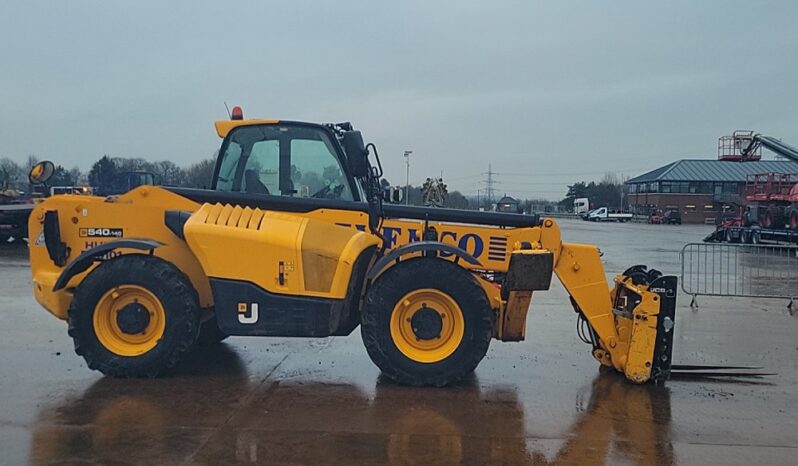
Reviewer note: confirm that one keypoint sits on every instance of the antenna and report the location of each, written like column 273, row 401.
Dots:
column 229, row 115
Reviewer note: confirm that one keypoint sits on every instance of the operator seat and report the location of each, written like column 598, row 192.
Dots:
column 253, row 183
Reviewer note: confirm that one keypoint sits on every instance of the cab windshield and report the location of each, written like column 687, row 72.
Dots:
column 282, row 160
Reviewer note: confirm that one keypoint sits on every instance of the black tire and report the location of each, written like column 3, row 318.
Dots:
column 770, row 219
column 210, row 334
column 163, row 280
column 774, row 218
column 446, row 277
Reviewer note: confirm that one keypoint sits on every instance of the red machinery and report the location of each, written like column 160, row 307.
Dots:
column 772, row 200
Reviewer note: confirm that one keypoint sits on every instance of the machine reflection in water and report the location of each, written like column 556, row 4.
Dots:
column 213, row 412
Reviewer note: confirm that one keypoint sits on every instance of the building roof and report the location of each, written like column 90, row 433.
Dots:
column 507, row 200
column 714, row 170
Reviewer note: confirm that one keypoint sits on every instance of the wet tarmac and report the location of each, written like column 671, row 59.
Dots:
column 295, row 401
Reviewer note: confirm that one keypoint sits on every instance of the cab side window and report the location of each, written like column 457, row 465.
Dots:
column 283, row 160
column 315, row 172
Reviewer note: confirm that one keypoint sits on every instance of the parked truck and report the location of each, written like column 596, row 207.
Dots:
column 604, row 214
column 14, row 211
column 581, row 205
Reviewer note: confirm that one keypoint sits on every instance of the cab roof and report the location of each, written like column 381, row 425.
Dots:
column 223, row 127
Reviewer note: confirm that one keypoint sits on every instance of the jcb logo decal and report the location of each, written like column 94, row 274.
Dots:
column 247, row 316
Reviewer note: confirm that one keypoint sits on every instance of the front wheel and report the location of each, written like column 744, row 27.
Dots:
column 134, row 316
column 426, row 321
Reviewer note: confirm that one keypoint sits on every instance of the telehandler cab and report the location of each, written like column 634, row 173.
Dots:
column 293, row 240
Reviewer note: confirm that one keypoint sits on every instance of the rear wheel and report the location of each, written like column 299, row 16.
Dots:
column 426, row 321
column 134, row 316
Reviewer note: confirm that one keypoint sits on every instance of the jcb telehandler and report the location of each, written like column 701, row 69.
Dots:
column 293, row 240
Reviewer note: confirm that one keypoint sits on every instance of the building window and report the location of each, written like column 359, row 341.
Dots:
column 709, row 208
column 665, row 186
column 632, row 188
column 730, row 188
column 689, row 208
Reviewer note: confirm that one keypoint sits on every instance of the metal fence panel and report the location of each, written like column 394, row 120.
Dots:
column 723, row 269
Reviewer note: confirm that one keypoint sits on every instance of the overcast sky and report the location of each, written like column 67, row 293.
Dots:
column 546, row 92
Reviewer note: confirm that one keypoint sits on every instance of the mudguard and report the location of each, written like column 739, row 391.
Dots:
column 87, row 258
column 419, row 246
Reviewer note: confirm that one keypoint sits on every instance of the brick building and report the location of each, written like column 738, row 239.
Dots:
column 700, row 190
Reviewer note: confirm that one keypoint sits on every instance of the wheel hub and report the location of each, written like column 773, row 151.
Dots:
column 426, row 323
column 133, row 318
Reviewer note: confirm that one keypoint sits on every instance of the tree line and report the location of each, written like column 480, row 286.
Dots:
column 105, row 170
column 606, row 193
column 197, row 175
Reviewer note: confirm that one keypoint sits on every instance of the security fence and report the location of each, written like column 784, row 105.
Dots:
column 756, row 271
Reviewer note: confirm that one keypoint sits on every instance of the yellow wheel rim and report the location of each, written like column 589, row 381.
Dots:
column 121, row 325
column 422, row 336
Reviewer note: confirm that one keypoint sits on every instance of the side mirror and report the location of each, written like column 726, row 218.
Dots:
column 356, row 153
column 41, row 172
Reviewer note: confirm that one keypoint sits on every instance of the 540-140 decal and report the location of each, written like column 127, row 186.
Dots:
column 101, row 233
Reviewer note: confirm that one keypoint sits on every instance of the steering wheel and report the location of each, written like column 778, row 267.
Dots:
column 328, row 192
column 322, row 193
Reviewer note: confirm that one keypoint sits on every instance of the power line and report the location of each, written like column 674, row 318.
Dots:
column 536, row 183
column 457, row 178
column 598, row 172
column 601, row 172
column 515, row 191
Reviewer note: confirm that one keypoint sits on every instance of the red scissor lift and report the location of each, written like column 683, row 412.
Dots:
column 772, row 200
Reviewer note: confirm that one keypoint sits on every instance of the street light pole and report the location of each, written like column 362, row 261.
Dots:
column 407, row 176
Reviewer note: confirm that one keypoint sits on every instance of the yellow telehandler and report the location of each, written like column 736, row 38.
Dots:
column 293, row 239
